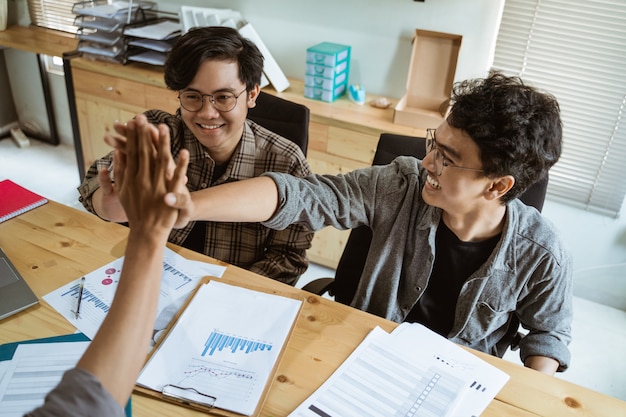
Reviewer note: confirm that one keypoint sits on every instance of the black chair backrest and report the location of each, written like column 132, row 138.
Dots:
column 284, row 117
column 353, row 258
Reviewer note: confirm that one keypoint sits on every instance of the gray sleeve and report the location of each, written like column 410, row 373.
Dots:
column 344, row 201
column 321, row 200
column 78, row 394
column 548, row 311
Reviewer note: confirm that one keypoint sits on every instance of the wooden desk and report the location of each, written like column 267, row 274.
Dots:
column 54, row 244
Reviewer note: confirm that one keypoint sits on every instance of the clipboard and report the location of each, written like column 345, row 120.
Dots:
column 205, row 401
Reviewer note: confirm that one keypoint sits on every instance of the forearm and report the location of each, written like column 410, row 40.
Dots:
column 118, row 350
column 542, row 364
column 251, row 200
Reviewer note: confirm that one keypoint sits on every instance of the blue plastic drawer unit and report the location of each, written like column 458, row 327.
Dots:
column 327, row 70
column 324, row 95
column 327, row 54
column 326, row 83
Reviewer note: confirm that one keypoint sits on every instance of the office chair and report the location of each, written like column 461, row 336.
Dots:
column 284, row 117
column 348, row 273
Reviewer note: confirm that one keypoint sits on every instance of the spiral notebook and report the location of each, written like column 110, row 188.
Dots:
column 15, row 200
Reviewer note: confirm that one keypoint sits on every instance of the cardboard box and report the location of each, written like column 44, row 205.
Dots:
column 431, row 76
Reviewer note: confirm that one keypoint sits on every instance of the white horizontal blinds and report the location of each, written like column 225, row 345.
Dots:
column 576, row 50
column 53, row 14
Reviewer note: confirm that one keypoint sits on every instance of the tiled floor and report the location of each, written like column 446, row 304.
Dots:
column 599, row 332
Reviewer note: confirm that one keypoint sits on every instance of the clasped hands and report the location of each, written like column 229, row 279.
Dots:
column 143, row 163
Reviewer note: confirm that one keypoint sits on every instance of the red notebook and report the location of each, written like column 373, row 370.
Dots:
column 15, row 200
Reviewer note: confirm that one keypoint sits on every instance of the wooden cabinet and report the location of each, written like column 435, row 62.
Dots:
column 103, row 99
column 342, row 135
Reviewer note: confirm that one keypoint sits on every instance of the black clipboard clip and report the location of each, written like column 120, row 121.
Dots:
column 188, row 395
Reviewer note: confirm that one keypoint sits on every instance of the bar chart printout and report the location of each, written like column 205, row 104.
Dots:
column 376, row 381
column 223, row 347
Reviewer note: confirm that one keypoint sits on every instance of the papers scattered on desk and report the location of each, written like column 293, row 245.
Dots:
column 180, row 277
column 223, row 349
column 410, row 372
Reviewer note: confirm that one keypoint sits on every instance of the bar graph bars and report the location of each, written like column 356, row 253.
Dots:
column 87, row 297
column 218, row 341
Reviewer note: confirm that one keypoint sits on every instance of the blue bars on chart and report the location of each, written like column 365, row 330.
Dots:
column 220, row 341
column 87, row 297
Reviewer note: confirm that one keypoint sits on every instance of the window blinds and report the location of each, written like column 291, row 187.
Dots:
column 53, row 14
column 576, row 50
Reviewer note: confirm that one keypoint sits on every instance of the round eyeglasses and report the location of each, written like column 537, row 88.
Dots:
column 191, row 100
column 440, row 160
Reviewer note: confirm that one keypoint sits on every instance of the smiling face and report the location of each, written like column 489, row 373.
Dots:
column 456, row 191
column 219, row 132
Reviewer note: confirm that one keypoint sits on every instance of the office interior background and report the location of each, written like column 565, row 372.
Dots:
column 380, row 34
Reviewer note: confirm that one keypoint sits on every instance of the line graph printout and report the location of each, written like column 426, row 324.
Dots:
column 377, row 381
column 180, row 277
column 223, row 346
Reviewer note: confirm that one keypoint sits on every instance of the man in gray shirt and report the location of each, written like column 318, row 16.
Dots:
column 452, row 246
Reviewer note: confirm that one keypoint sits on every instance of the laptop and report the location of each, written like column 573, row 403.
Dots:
column 15, row 294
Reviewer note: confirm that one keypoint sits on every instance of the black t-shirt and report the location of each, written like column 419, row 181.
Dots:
column 455, row 261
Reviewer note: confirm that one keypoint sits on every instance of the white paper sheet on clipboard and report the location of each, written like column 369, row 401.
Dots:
column 223, row 348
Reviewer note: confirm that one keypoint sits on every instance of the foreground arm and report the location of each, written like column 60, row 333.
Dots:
column 118, row 351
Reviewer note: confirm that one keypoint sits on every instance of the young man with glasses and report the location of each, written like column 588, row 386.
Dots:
column 217, row 73
column 452, row 247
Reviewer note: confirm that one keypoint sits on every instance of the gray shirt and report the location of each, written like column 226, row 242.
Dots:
column 528, row 274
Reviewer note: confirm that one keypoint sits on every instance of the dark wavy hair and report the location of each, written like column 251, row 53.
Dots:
column 516, row 127
column 215, row 43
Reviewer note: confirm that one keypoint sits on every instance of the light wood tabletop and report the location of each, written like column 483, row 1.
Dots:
column 54, row 244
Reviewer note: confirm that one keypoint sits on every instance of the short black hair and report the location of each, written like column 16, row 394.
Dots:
column 517, row 127
column 215, row 43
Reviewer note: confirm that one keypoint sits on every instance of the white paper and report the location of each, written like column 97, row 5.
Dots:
column 33, row 372
column 378, row 380
column 224, row 345
column 484, row 379
column 158, row 31
column 270, row 67
column 180, row 277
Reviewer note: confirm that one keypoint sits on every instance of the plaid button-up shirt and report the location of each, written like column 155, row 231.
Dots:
column 278, row 254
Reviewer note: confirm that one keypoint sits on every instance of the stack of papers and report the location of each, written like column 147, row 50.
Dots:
column 410, row 372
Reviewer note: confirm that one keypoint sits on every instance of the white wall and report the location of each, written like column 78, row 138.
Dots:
column 379, row 32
